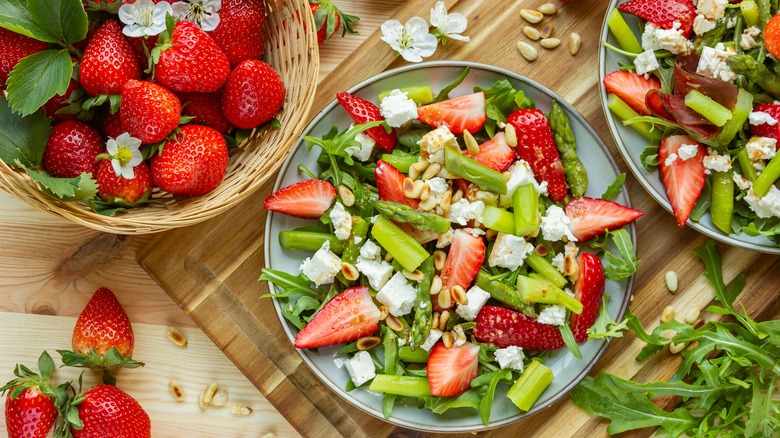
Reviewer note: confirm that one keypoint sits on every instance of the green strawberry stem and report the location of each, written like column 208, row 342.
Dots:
column 420, row 219
column 749, row 12
column 622, row 33
column 421, row 95
column 421, row 326
column 576, row 175
column 417, row 355
column 530, row 386
column 748, row 171
column 543, row 266
column 540, row 290
column 112, row 359
column 498, row 219
column 504, row 293
column 768, row 177
column 408, row 386
column 309, row 241
column 625, row 112
column 708, row 108
column 473, row 171
column 407, row 251
column 525, row 203
column 722, row 208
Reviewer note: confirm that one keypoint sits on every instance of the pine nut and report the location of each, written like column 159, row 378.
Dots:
column 431, row 171
column 436, row 285
column 417, row 168
column 541, row 250
column 428, row 204
column 460, row 335
column 550, row 43
column 444, row 318
column 457, row 196
column 388, row 257
column 528, row 52
column 425, row 193
column 507, row 175
column 347, row 197
column 668, row 334
column 369, row 342
column 417, row 275
column 574, row 43
column 208, row 394
column 571, row 268
column 240, row 410
column 177, row 337
column 692, row 316
column 445, row 298
column 511, row 136
column 394, row 323
column 446, row 338
column 411, row 188
column 446, row 202
column 671, row 281
column 459, row 295
column 471, row 143
column 202, row 405
column 531, row 16
column 531, row 33
column 439, row 258
column 350, row 271
column 383, row 312
column 178, row 393
column 548, row 9
column 667, row 314
column 676, row 348
column 220, row 398
column 547, row 30
column 435, row 320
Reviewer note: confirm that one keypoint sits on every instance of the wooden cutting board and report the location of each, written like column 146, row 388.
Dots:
column 211, row 269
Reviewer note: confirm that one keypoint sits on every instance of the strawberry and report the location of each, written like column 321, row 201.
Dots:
column 451, row 370
column 241, row 30
column 504, row 327
column 189, row 60
column 71, row 149
column 631, row 88
column 765, row 129
column 253, row 94
column 112, row 125
column 108, row 61
column 141, row 54
column 390, row 184
column 13, row 48
column 591, row 217
column 30, row 410
column 663, row 13
column 148, row 111
column 107, row 411
column 206, row 108
column 193, row 163
column 772, row 36
column 308, row 199
column 588, row 288
column 465, row 113
column 55, row 107
column 363, row 111
column 535, row 145
column 350, row 315
column 495, row 153
column 328, row 18
column 683, row 180
column 467, row 253
column 113, row 187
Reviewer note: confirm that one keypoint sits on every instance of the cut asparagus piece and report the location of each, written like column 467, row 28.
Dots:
column 408, row 386
column 530, row 386
column 309, row 241
column 498, row 219
column 420, row 219
column 473, row 171
column 540, row 290
column 407, row 251
column 525, row 203
column 708, row 108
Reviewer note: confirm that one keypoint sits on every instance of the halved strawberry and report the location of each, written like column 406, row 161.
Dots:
column 683, row 180
column 591, row 217
column 535, row 145
column 772, row 36
column 467, row 253
column 765, row 129
column 307, row 199
column 588, row 288
column 465, row 113
column 390, row 184
column 663, row 13
column 631, row 88
column 504, row 327
column 451, row 370
column 495, row 153
column 363, row 111
column 350, row 315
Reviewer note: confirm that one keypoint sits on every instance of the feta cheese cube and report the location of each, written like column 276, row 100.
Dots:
column 433, row 143
column 398, row 295
column 342, row 221
column 370, row 250
column 378, row 272
column 323, row 266
column 557, row 261
column 656, row 38
column 717, row 162
column 748, row 39
column 433, row 338
column 646, row 62
column 712, row 9
column 509, row 251
column 687, row 151
column 510, row 357
column 761, row 117
column 463, row 211
column 477, row 298
column 765, row 207
column 761, row 148
column 670, row 159
column 552, row 315
column 702, row 25
column 712, row 63
column 555, row 225
column 397, row 108
column 520, row 174
column 361, row 368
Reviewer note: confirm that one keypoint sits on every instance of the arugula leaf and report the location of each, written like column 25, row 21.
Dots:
column 335, row 144
column 290, row 284
column 22, row 139
column 605, row 326
column 444, row 94
column 486, row 404
column 15, row 17
column 65, row 20
column 568, row 339
column 37, row 78
column 649, row 157
column 440, row 405
column 500, row 101
column 80, row 188
column 614, row 189
column 620, row 268
column 703, row 203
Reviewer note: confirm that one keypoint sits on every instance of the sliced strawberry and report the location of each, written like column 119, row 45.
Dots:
column 591, row 217
column 467, row 253
column 504, row 327
column 363, row 111
column 631, row 88
column 350, row 315
column 772, row 36
column 390, row 184
column 465, row 113
column 588, row 288
column 307, row 199
column 683, row 180
column 765, row 129
column 663, row 13
column 535, row 145
column 451, row 370
column 495, row 153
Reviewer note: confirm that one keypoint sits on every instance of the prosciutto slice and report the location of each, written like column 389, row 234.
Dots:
column 672, row 109
column 686, row 79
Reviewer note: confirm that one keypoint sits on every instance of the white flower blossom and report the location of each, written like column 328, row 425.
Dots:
column 201, row 12
column 125, row 152
column 144, row 18
column 448, row 25
column 412, row 41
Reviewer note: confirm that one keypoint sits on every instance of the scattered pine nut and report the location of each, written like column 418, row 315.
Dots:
column 541, row 250
column 439, row 258
column 240, row 410
column 446, row 338
column 220, row 398
column 528, row 51
column 347, row 197
column 692, row 316
column 388, row 257
column 676, row 348
column 201, row 404
column 431, row 171
column 511, row 137
column 350, row 271
column 394, row 323
column 532, row 33
column 436, row 285
column 444, row 318
column 531, row 16
column 417, row 275
column 457, row 196
column 411, row 188
column 459, row 295
column 471, row 143
column 548, row 9
column 547, row 30
column 178, row 393
column 671, row 281
column 383, row 312
column 445, row 299
column 667, row 314
column 574, row 43
column 550, row 43
column 435, row 320
column 425, row 192
column 177, row 337
column 208, row 393
column 369, row 342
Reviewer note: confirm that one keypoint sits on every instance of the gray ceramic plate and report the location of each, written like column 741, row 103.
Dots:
column 568, row 370
column 632, row 144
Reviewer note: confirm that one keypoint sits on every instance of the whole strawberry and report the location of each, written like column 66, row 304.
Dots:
column 112, row 125
column 254, row 93
column 108, row 62
column 148, row 111
column 30, row 410
column 14, row 47
column 71, row 149
column 107, row 411
column 190, row 61
column 206, row 108
column 113, row 187
column 55, row 107
column 192, row 164
column 241, row 30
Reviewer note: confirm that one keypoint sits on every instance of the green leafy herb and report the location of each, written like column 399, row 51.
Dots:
column 335, row 145
column 620, row 268
column 500, row 101
column 568, row 339
column 490, row 392
column 37, row 78
column 605, row 326
column 615, row 188
column 22, row 139
column 440, row 405
column 290, row 284
column 444, row 94
column 80, row 188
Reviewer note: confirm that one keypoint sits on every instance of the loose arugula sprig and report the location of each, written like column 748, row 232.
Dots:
column 727, row 379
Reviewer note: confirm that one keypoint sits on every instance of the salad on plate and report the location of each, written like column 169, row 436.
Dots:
column 450, row 247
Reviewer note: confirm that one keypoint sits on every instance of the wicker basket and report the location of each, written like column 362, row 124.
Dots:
column 292, row 50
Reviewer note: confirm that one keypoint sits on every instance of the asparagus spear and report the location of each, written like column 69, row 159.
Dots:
column 575, row 172
column 308, row 240
column 420, row 219
column 421, row 326
column 352, row 248
column 755, row 72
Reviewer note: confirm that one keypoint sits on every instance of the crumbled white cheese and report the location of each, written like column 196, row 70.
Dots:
column 761, row 117
column 362, row 152
column 476, row 232
column 717, row 162
column 645, row 63
column 477, row 298
column 510, row 358
column 397, row 108
column 509, row 251
column 552, row 315
column 370, row 250
column 323, row 266
column 433, row 143
column 463, row 211
column 557, row 261
column 742, row 182
column 767, row 206
column 378, row 272
column 748, row 39
column 555, row 225
column 361, row 368
column 712, row 63
column 702, row 25
column 761, row 148
column 357, row 239
column 460, row 339
column 339, row 362
column 445, row 239
column 398, row 295
column 521, row 174
column 687, row 151
column 712, row 9
column 656, row 38
column 433, row 337
column 342, row 221
column 670, row 159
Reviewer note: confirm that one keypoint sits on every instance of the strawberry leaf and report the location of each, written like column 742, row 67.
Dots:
column 80, row 188
column 65, row 20
column 37, row 78
column 15, row 17
column 22, row 139
column 45, row 365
